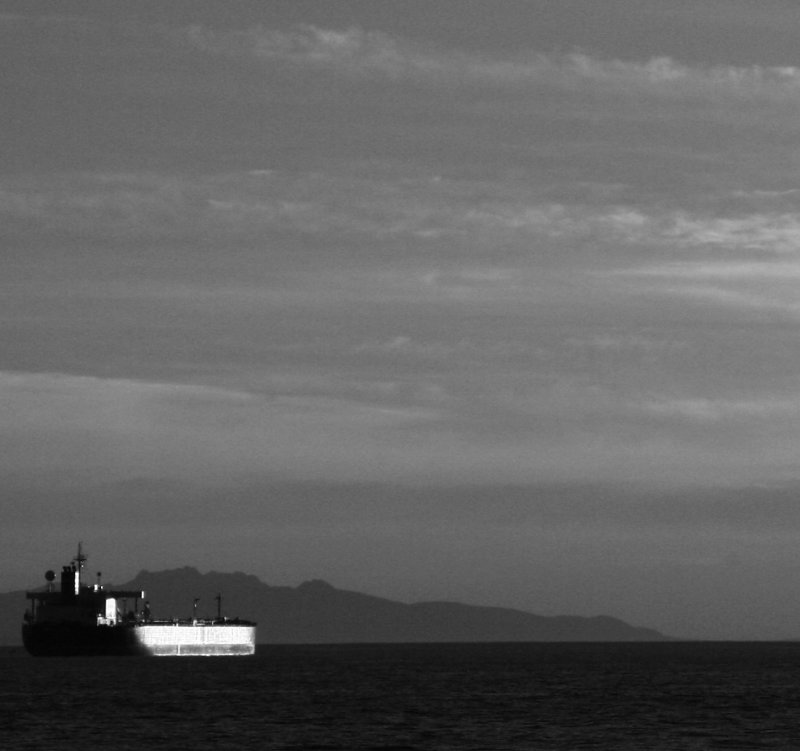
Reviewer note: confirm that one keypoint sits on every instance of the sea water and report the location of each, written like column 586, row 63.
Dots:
column 416, row 696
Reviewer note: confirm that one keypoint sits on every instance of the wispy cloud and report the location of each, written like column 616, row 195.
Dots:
column 420, row 209
column 137, row 429
column 364, row 52
column 717, row 410
column 732, row 270
column 775, row 233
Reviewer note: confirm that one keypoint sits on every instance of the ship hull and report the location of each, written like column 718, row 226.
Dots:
column 187, row 640
column 140, row 639
column 75, row 639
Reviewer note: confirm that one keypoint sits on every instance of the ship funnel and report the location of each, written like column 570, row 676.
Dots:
column 70, row 582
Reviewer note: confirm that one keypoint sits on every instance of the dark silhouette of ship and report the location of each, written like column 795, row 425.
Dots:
column 80, row 619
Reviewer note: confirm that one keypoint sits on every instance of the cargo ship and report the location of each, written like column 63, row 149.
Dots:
column 73, row 618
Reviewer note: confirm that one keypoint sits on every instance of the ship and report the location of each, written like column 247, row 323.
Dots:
column 76, row 619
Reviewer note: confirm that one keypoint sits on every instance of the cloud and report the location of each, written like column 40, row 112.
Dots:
column 344, row 205
column 54, row 421
column 365, row 52
column 758, row 286
column 732, row 270
column 776, row 233
column 354, row 50
column 122, row 204
column 234, row 248
column 717, row 410
column 114, row 430
column 120, row 428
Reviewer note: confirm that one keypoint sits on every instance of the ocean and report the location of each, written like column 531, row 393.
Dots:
column 674, row 695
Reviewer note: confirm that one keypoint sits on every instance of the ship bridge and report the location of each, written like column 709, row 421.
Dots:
column 78, row 603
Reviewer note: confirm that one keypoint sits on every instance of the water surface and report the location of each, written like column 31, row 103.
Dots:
column 457, row 696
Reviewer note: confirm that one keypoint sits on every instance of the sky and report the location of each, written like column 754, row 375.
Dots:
column 446, row 299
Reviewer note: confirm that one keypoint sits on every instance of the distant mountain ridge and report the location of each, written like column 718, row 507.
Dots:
column 316, row 612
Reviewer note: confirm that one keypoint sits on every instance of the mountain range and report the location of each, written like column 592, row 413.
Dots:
column 315, row 612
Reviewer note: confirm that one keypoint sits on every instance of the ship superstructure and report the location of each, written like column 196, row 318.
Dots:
column 79, row 619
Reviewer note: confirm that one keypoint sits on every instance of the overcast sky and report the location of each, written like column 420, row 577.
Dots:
column 488, row 301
